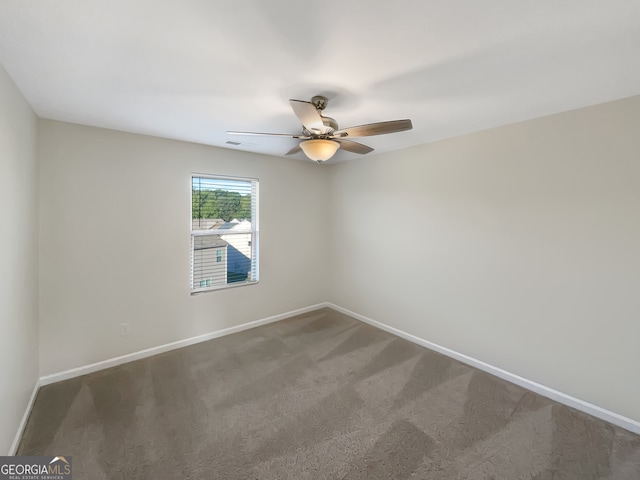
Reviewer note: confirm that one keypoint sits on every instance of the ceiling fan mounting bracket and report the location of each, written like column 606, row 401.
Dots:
column 320, row 102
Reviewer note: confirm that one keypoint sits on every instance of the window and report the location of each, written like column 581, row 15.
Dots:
column 224, row 232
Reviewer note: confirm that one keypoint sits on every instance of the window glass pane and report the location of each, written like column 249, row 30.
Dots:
column 224, row 231
column 215, row 202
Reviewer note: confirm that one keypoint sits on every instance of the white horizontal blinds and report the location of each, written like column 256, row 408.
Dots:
column 256, row 230
column 223, row 232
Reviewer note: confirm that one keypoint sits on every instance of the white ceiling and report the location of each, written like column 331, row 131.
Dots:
column 193, row 69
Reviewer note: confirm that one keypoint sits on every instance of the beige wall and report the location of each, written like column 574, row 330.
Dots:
column 519, row 246
column 18, row 258
column 115, row 208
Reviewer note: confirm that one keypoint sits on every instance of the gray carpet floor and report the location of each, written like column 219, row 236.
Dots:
column 317, row 396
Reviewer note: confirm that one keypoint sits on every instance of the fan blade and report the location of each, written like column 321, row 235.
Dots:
column 305, row 137
column 295, row 149
column 308, row 116
column 354, row 147
column 371, row 129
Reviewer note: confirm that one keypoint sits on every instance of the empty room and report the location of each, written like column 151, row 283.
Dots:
column 348, row 240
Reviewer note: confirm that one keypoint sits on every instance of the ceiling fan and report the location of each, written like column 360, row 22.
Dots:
column 321, row 136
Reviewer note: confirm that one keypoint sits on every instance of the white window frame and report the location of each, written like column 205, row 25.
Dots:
column 254, row 276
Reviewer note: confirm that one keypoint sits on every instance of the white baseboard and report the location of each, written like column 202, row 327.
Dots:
column 112, row 362
column 23, row 422
column 568, row 400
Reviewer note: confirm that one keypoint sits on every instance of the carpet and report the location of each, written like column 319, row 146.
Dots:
column 317, row 396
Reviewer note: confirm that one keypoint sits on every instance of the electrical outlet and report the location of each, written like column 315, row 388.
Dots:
column 124, row 329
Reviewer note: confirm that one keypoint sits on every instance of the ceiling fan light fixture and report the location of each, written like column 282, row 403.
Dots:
column 322, row 136
column 319, row 149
